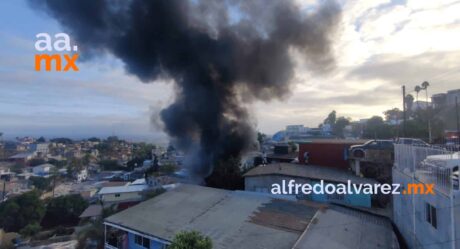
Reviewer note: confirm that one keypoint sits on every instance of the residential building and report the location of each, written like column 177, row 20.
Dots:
column 427, row 220
column 295, row 133
column 22, row 158
column 451, row 96
column 445, row 99
column 342, row 228
column 261, row 179
column 5, row 172
column 40, row 149
column 122, row 194
column 240, row 219
column 81, row 175
column 422, row 105
column 43, row 170
column 439, row 100
column 92, row 212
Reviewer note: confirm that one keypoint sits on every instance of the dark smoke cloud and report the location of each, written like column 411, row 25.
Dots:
column 213, row 50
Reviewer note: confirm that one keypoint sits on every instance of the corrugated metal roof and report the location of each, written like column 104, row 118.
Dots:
column 343, row 228
column 92, row 211
column 122, row 189
column 233, row 219
column 307, row 171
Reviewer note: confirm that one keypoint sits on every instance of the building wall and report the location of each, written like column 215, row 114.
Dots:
column 410, row 217
column 153, row 243
column 131, row 196
column 451, row 96
column 326, row 154
column 264, row 184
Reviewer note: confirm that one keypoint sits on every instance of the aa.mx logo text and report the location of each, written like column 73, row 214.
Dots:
column 46, row 45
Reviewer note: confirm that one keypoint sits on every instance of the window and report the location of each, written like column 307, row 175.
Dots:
column 431, row 216
column 455, row 178
column 117, row 195
column 141, row 241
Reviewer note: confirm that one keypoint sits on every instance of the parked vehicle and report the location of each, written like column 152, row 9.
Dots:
column 359, row 151
column 412, row 141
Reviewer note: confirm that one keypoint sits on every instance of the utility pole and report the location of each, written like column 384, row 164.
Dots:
column 404, row 110
column 458, row 120
column 4, row 191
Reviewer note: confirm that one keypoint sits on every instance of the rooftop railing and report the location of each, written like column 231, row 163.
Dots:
column 414, row 161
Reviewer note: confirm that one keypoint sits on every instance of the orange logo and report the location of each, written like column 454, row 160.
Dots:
column 61, row 44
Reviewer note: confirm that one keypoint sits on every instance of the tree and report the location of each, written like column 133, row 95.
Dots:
column 393, row 114
column 417, row 89
column 20, row 211
column 191, row 240
column 62, row 140
column 112, row 139
column 86, row 159
column 36, row 161
column 31, row 229
column 226, row 174
column 110, row 165
column 409, row 102
column 331, row 118
column 57, row 163
column 144, row 151
column 41, row 183
column 68, row 208
column 94, row 139
column 135, row 162
column 425, row 86
column 17, row 168
column 339, row 125
column 261, row 138
column 41, row 140
column 376, row 128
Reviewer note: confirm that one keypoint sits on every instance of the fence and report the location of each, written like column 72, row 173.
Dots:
column 413, row 161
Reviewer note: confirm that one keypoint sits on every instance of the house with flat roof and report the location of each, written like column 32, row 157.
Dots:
column 240, row 219
column 43, row 170
column 343, row 228
column 22, row 158
column 427, row 220
column 122, row 194
column 233, row 219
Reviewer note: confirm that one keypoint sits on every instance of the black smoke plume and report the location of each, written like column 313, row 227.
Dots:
column 220, row 54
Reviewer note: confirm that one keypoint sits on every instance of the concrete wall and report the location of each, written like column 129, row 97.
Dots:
column 410, row 217
column 131, row 196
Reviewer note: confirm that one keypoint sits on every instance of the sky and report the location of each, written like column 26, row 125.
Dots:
column 380, row 45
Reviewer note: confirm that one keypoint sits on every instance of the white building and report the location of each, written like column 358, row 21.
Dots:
column 128, row 193
column 422, row 105
column 42, row 148
column 82, row 175
column 427, row 220
column 43, row 170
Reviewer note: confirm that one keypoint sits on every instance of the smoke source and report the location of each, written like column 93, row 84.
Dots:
column 215, row 51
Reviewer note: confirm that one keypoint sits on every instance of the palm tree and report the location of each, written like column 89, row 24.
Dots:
column 417, row 90
column 425, row 86
column 409, row 101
